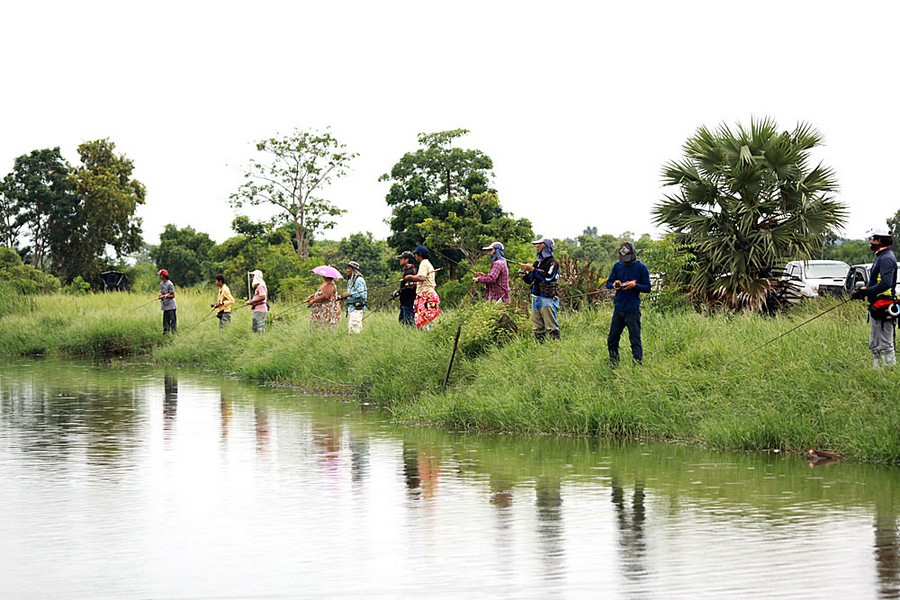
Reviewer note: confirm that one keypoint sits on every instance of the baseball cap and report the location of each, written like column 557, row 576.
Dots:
column 163, row 272
column 880, row 231
column 497, row 245
column 406, row 254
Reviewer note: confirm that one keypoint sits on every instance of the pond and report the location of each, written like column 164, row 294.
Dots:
column 133, row 481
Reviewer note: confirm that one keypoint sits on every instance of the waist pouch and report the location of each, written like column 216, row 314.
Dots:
column 549, row 289
column 885, row 309
column 358, row 305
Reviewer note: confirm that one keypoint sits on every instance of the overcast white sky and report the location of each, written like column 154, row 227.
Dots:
column 578, row 103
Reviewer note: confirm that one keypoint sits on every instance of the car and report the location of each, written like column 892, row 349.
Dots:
column 818, row 277
column 860, row 274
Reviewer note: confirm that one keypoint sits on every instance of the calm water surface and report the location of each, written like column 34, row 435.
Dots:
column 124, row 481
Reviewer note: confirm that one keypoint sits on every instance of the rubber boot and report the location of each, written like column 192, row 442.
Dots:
column 554, row 334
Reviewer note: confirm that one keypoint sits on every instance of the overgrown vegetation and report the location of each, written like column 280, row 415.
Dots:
column 704, row 381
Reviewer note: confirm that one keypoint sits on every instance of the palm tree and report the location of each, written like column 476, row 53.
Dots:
column 746, row 201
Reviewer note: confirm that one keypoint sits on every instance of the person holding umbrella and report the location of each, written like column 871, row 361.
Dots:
column 326, row 311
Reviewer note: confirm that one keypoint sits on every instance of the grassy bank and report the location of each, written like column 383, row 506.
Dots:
column 813, row 388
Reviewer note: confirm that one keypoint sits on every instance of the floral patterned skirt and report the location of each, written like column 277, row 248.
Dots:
column 326, row 314
column 428, row 307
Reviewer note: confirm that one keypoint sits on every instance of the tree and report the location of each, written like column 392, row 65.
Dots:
column 105, row 213
column 894, row 224
column 438, row 189
column 9, row 225
column 746, row 200
column 298, row 166
column 39, row 195
column 185, row 253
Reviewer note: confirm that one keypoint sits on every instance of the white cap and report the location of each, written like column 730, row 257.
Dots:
column 879, row 230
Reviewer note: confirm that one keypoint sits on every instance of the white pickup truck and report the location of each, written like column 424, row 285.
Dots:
column 818, row 277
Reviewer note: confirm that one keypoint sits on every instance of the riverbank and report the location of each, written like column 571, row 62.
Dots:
column 700, row 383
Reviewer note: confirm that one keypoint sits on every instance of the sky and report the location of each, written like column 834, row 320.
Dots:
column 579, row 104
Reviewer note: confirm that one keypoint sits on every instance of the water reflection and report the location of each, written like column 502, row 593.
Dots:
column 346, row 504
column 630, row 522
column 887, row 548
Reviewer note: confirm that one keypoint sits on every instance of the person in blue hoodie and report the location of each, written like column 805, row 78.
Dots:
column 630, row 278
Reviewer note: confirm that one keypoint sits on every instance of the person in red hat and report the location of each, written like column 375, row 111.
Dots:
column 167, row 302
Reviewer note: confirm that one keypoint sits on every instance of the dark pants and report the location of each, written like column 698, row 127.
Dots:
column 169, row 321
column 407, row 315
column 618, row 324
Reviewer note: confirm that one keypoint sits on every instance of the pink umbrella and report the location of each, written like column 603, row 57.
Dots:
column 328, row 271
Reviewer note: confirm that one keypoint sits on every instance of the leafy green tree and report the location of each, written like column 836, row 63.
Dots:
column 40, row 197
column 9, row 224
column 22, row 278
column 851, row 252
column 441, row 195
column 430, row 182
column 375, row 257
column 104, row 218
column 745, row 200
column 186, row 254
column 894, row 224
column 296, row 168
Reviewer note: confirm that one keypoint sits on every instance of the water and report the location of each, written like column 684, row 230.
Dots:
column 121, row 481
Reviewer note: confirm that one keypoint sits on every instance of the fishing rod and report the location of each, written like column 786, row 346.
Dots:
column 142, row 305
column 197, row 324
column 796, row 327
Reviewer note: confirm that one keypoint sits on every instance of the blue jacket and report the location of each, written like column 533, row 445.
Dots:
column 882, row 275
column 629, row 301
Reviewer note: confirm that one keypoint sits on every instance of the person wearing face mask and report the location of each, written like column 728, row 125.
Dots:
column 630, row 278
column 497, row 279
column 883, row 307
column 543, row 277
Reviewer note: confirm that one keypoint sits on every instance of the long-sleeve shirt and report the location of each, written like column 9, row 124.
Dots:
column 882, row 275
column 496, row 281
column 544, row 278
column 359, row 293
column 225, row 299
column 629, row 301
column 260, row 299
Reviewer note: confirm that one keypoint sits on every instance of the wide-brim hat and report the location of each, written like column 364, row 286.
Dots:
column 353, row 265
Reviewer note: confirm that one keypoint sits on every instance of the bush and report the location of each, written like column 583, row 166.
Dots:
column 485, row 325
column 23, row 278
column 78, row 287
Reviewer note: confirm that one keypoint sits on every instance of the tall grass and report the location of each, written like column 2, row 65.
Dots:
column 706, row 379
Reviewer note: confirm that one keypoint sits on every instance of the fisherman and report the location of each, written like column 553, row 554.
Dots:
column 497, row 280
column 630, row 278
column 407, row 290
column 167, row 302
column 356, row 295
column 880, row 294
column 543, row 277
column 428, row 303
column 259, row 301
column 224, row 302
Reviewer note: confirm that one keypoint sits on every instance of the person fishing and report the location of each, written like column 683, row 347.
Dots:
column 630, row 278
column 428, row 303
column 356, row 296
column 167, row 302
column 407, row 290
column 879, row 291
column 259, row 301
column 224, row 302
column 543, row 277
column 496, row 281
column 326, row 310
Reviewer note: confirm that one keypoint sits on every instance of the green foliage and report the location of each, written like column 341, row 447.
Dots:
column 12, row 301
column 77, row 287
column 894, row 224
column 852, row 252
column 297, row 166
column 442, row 195
column 39, row 199
column 668, row 261
column 744, row 201
column 485, row 325
column 186, row 254
column 23, row 278
column 108, row 198
column 454, row 292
